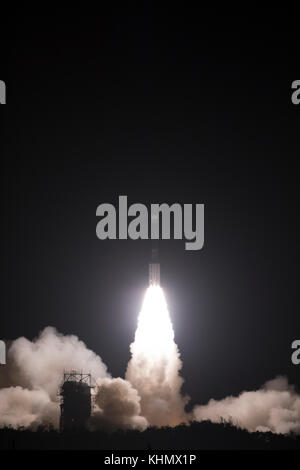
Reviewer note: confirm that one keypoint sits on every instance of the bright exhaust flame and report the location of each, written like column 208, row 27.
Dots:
column 153, row 369
column 154, row 336
column 151, row 393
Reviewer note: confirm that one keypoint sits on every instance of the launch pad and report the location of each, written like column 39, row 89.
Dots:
column 75, row 394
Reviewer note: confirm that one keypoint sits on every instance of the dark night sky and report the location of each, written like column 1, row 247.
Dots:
column 163, row 108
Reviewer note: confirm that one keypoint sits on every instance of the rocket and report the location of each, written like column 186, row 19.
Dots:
column 154, row 269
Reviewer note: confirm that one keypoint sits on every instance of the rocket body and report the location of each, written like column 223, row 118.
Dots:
column 154, row 269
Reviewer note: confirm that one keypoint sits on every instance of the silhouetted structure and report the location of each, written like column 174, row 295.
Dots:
column 75, row 405
column 197, row 437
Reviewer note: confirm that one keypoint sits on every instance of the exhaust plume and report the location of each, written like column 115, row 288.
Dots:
column 154, row 367
column 150, row 394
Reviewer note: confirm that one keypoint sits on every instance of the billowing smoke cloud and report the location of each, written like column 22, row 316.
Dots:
column 20, row 407
column 154, row 371
column 117, row 406
column 155, row 364
column 150, row 395
column 30, row 381
column 158, row 383
column 39, row 364
column 275, row 408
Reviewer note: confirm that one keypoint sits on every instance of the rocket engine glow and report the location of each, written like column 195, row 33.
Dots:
column 150, row 394
column 154, row 332
column 154, row 367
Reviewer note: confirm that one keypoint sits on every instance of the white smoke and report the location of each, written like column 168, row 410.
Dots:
column 275, row 407
column 150, row 395
column 41, row 363
column 30, row 381
column 155, row 363
column 117, row 406
column 20, row 407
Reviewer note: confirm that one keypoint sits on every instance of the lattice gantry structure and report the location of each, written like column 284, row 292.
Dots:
column 76, row 400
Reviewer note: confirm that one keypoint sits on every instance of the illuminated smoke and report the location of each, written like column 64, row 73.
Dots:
column 274, row 408
column 117, row 406
column 155, row 363
column 30, row 381
column 20, row 407
column 150, row 395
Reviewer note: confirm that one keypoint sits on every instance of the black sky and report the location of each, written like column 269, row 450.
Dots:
column 163, row 107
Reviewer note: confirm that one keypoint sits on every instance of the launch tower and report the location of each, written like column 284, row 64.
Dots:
column 75, row 394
